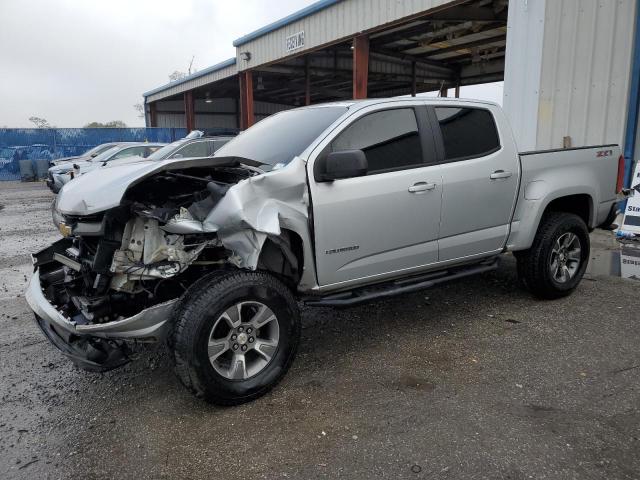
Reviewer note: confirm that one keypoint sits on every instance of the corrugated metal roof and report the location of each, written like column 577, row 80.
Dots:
column 215, row 68
column 305, row 12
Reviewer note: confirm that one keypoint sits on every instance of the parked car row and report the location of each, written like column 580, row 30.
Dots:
column 91, row 153
column 194, row 145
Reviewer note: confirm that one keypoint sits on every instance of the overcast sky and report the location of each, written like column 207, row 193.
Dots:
column 77, row 61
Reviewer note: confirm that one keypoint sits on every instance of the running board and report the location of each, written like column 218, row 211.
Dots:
column 398, row 287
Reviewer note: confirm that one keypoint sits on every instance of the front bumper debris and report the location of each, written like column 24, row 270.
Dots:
column 99, row 346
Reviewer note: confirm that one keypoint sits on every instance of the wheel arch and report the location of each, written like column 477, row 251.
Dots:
column 283, row 256
column 580, row 201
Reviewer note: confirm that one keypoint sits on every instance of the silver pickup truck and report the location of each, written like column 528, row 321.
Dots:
column 331, row 205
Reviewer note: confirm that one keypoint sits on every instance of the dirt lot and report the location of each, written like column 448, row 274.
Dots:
column 472, row 380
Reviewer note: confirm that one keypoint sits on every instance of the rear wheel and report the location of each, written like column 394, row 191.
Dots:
column 558, row 258
column 235, row 336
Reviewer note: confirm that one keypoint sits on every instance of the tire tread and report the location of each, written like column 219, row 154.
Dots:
column 532, row 268
column 209, row 290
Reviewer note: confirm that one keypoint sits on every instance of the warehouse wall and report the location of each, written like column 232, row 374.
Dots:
column 568, row 70
column 220, row 113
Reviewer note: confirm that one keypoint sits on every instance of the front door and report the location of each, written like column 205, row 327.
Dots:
column 372, row 226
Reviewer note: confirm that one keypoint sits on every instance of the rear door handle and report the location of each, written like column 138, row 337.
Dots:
column 500, row 174
column 421, row 187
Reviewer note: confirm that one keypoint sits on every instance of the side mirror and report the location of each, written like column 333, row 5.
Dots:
column 177, row 155
column 344, row 164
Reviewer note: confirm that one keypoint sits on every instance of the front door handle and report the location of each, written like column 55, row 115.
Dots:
column 421, row 187
column 500, row 174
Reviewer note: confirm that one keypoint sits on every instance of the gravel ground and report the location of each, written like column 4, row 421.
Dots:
column 472, row 380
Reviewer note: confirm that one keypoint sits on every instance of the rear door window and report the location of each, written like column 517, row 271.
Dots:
column 467, row 132
column 128, row 152
column 390, row 140
column 195, row 149
column 149, row 150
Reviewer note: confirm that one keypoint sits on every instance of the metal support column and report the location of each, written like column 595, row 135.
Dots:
column 360, row 66
column 153, row 114
column 414, row 86
column 634, row 104
column 189, row 111
column 307, row 81
column 246, row 99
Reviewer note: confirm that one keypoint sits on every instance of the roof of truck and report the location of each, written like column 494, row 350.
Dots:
column 418, row 99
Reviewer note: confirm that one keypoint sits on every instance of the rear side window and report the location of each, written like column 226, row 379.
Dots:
column 128, row 152
column 467, row 132
column 389, row 139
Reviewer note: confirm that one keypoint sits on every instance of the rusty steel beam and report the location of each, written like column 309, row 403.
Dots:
column 246, row 99
column 189, row 110
column 360, row 66
column 153, row 114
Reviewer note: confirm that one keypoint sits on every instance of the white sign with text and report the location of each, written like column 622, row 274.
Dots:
column 295, row 41
column 631, row 221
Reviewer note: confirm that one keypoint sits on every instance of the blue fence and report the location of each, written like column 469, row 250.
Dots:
column 39, row 143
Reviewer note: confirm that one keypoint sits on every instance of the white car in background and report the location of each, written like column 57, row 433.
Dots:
column 61, row 174
column 194, row 145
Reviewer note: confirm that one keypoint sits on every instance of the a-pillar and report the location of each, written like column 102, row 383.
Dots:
column 246, row 99
column 189, row 111
column 360, row 66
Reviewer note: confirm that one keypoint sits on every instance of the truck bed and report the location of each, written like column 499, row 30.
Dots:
column 549, row 174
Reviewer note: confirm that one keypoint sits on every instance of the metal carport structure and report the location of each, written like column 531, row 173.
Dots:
column 566, row 64
column 342, row 49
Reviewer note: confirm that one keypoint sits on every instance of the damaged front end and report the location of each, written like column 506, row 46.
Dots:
column 118, row 273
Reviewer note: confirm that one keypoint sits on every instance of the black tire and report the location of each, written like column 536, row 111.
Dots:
column 194, row 318
column 534, row 265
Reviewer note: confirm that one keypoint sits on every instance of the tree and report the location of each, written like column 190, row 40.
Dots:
column 140, row 109
column 40, row 122
column 111, row 124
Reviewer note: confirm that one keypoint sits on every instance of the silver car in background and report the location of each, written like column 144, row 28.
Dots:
column 91, row 153
column 61, row 174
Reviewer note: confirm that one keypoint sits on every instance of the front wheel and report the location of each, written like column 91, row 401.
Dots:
column 235, row 335
column 556, row 262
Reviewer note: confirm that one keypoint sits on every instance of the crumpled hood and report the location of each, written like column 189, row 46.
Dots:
column 103, row 188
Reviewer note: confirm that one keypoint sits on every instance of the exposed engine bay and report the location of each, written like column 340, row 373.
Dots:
column 170, row 229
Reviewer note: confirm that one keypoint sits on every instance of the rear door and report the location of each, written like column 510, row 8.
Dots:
column 480, row 171
column 372, row 226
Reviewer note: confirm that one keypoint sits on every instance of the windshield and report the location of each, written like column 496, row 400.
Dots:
column 104, row 156
column 279, row 138
column 165, row 151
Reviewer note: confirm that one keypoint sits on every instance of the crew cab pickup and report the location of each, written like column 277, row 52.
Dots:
column 332, row 205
